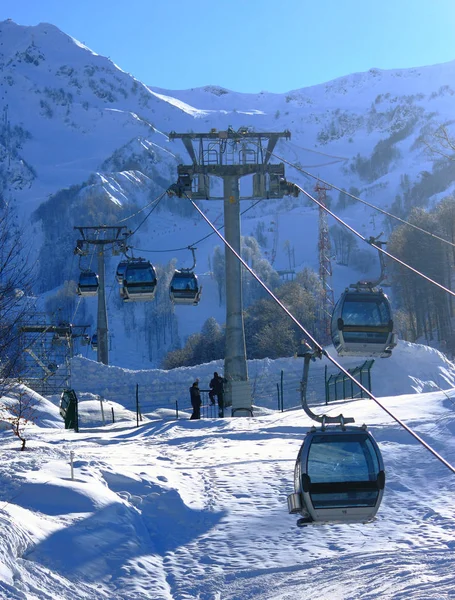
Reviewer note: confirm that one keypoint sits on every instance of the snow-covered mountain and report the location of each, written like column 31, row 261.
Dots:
column 83, row 143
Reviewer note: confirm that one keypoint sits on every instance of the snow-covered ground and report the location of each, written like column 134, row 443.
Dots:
column 180, row 509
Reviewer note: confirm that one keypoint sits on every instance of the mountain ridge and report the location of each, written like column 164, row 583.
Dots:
column 78, row 128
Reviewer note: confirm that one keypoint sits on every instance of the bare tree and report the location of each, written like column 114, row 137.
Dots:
column 344, row 243
column 15, row 297
column 18, row 410
column 441, row 143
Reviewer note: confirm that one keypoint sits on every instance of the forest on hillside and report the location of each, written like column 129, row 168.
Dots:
column 422, row 311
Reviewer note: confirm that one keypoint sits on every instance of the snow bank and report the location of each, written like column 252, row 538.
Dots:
column 36, row 409
column 413, row 368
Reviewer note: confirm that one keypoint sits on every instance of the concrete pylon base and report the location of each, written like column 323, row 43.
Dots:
column 240, row 395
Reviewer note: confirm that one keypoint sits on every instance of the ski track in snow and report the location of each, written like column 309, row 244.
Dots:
column 187, row 514
column 179, row 509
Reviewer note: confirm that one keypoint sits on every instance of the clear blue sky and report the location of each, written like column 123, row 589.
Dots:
column 251, row 45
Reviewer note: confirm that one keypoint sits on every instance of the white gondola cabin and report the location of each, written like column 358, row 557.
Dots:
column 120, row 272
column 85, row 340
column 184, row 288
column 338, row 478
column 94, row 341
column 139, row 281
column 88, row 284
column 362, row 323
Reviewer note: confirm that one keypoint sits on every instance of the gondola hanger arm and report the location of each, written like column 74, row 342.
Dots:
column 339, row 419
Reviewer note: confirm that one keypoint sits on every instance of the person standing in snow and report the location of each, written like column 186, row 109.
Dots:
column 195, row 395
column 217, row 389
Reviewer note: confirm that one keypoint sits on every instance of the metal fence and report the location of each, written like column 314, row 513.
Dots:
column 339, row 386
column 271, row 391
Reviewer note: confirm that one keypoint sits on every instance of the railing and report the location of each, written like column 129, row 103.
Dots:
column 210, row 410
column 141, row 402
column 339, row 386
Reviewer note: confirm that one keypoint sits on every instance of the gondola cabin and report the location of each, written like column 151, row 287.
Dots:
column 362, row 324
column 139, row 281
column 94, row 341
column 338, row 477
column 120, row 272
column 184, row 288
column 85, row 340
column 88, row 284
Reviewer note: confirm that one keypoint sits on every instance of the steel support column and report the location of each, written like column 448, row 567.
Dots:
column 103, row 344
column 235, row 365
column 237, row 389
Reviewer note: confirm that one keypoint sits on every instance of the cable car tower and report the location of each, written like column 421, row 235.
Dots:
column 232, row 155
column 100, row 236
column 325, row 263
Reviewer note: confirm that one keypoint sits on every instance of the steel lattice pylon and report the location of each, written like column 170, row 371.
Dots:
column 46, row 357
column 325, row 263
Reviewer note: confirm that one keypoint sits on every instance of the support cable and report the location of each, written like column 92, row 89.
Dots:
column 290, row 143
column 384, row 212
column 202, row 239
column 318, row 346
column 131, row 233
column 157, row 200
column 76, row 308
column 371, row 243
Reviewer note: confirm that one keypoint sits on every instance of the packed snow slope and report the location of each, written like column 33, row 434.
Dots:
column 176, row 509
column 76, row 125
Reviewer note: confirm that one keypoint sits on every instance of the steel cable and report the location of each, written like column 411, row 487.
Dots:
column 388, row 214
column 319, row 347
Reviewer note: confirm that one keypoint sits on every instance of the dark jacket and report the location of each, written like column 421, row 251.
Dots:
column 195, row 394
column 216, row 384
